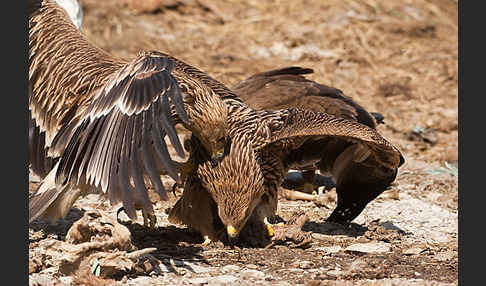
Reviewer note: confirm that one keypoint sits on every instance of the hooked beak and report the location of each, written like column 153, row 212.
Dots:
column 217, row 156
column 232, row 233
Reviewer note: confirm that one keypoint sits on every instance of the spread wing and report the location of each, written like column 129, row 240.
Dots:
column 288, row 88
column 296, row 130
column 119, row 135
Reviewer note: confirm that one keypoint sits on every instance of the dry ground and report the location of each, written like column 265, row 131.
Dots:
column 398, row 58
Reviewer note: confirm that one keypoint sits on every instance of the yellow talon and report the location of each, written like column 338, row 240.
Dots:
column 207, row 241
column 270, row 230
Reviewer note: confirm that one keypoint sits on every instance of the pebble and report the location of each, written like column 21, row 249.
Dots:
column 294, row 270
column 303, row 264
column 357, row 265
column 335, row 272
column 330, row 249
column 142, row 280
column 444, row 256
column 371, row 247
column 251, row 266
column 196, row 268
column 413, row 251
column 223, row 279
column 230, row 268
column 199, row 280
column 251, row 273
column 43, row 280
column 66, row 280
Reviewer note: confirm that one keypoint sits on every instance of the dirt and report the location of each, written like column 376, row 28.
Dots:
column 398, row 58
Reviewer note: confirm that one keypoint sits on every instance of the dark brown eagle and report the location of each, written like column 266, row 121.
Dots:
column 286, row 88
column 98, row 122
column 360, row 160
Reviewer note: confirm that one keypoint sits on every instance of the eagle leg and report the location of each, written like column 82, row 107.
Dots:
column 149, row 220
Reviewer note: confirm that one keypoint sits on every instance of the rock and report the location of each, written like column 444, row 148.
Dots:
column 66, row 280
column 223, row 279
column 251, row 273
column 297, row 270
column 230, row 268
column 413, row 251
column 334, row 272
column 251, row 266
column 444, row 256
column 43, row 280
column 143, row 280
column 199, row 280
column 329, row 249
column 195, row 268
column 371, row 247
column 303, row 264
column 357, row 265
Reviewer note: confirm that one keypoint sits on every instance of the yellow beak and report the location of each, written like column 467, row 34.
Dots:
column 217, row 155
column 231, row 231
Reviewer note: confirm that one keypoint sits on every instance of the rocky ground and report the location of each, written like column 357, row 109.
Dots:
column 398, row 58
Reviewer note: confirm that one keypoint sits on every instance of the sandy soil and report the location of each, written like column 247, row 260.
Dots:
column 398, row 58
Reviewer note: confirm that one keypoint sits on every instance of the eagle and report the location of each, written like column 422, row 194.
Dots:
column 98, row 122
column 220, row 196
column 287, row 87
column 361, row 162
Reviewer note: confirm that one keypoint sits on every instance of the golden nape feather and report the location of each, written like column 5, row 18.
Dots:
column 287, row 87
column 223, row 196
column 101, row 120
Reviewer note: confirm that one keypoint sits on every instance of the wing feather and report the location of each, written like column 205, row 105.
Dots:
column 299, row 124
column 129, row 114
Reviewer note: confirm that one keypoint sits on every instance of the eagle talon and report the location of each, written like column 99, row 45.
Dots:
column 149, row 220
column 206, row 241
column 270, row 230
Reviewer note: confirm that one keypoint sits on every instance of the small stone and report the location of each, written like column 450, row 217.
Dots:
column 44, row 280
column 66, row 280
column 223, row 279
column 330, row 249
column 199, row 280
column 142, row 280
column 196, row 268
column 357, row 265
column 444, row 256
column 303, row 264
column 413, row 251
column 334, row 272
column 371, row 247
column 294, row 270
column 250, row 273
column 251, row 266
column 230, row 268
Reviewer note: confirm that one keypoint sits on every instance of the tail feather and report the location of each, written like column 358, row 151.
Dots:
column 51, row 201
column 44, row 196
column 175, row 214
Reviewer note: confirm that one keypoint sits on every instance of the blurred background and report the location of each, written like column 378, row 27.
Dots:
column 399, row 58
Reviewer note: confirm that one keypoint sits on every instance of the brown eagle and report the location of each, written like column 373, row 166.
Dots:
column 360, row 160
column 221, row 197
column 287, row 87
column 98, row 122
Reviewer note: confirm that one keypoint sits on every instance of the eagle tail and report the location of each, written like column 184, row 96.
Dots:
column 51, row 201
column 176, row 213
